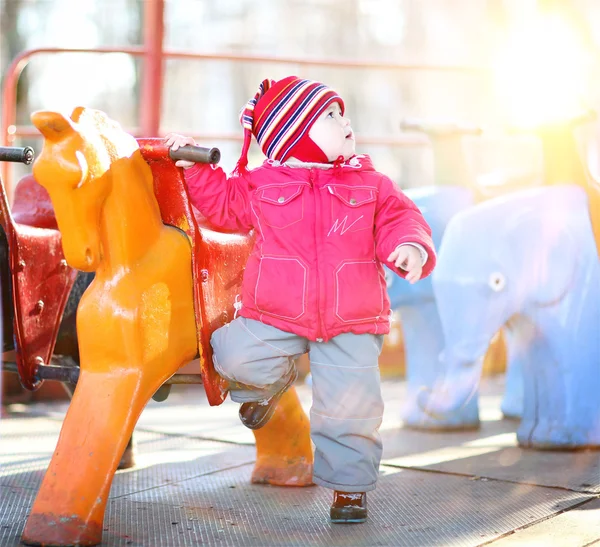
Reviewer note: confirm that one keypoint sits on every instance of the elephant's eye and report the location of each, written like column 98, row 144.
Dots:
column 497, row 281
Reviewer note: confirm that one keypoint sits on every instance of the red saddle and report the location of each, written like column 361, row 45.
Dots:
column 42, row 280
column 218, row 258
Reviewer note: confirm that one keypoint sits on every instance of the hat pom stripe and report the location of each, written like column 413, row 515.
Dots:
column 315, row 100
column 283, row 104
column 298, row 103
column 298, row 135
column 247, row 121
column 298, row 125
column 247, row 114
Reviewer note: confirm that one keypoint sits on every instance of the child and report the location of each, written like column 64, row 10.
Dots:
column 325, row 223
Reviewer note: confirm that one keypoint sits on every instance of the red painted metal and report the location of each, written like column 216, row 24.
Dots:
column 32, row 205
column 150, row 103
column 402, row 140
column 329, row 63
column 41, row 278
column 218, row 258
column 9, row 131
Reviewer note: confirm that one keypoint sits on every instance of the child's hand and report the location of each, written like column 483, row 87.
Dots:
column 408, row 257
column 175, row 141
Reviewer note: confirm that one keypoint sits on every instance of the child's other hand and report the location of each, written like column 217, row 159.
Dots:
column 175, row 141
column 408, row 257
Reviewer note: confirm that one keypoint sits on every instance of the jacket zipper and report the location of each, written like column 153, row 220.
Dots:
column 320, row 329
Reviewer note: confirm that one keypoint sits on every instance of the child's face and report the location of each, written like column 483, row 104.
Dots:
column 332, row 133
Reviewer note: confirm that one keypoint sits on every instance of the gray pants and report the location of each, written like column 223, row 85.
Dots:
column 347, row 406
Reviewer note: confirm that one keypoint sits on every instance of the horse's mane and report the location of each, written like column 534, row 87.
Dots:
column 117, row 142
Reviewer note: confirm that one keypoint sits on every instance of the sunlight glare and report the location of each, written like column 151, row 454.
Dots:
column 542, row 72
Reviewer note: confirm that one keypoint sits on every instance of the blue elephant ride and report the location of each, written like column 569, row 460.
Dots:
column 421, row 326
column 528, row 258
column 454, row 191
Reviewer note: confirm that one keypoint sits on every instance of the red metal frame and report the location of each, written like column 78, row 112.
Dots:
column 41, row 278
column 154, row 55
column 151, row 100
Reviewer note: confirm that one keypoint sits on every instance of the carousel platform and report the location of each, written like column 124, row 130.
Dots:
column 191, row 484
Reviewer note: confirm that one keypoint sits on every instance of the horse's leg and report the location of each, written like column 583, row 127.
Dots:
column 128, row 457
column 69, row 508
column 283, row 451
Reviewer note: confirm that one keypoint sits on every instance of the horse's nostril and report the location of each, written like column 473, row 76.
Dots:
column 88, row 256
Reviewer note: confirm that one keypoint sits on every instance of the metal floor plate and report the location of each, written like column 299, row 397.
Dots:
column 409, row 508
column 492, row 452
column 160, row 460
column 190, row 489
column 568, row 528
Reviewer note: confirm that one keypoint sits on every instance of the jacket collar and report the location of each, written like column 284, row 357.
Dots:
column 361, row 162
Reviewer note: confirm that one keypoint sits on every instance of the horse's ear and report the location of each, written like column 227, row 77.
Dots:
column 77, row 112
column 52, row 125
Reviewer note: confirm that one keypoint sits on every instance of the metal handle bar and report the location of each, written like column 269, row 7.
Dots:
column 197, row 154
column 17, row 154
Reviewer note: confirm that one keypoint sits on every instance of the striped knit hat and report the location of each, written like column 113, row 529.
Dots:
column 280, row 116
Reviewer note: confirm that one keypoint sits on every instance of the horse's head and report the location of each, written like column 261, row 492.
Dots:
column 74, row 167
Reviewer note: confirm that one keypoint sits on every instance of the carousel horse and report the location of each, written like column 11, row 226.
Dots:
column 150, row 309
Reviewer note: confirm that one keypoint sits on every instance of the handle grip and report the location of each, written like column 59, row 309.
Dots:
column 197, row 154
column 17, row 154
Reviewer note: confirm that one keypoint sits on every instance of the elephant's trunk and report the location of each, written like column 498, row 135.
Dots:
column 458, row 386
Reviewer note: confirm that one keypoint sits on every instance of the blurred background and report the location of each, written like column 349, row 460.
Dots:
column 502, row 68
column 489, row 63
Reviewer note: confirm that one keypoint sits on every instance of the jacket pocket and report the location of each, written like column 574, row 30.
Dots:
column 352, row 208
column 271, row 298
column 281, row 205
column 359, row 295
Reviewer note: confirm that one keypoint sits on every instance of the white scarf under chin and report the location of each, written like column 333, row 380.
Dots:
column 350, row 162
column 306, row 164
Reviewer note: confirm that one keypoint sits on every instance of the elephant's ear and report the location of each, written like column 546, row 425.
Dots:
column 550, row 250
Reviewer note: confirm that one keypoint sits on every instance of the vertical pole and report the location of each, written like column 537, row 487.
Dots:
column 563, row 165
column 152, row 73
column 562, row 161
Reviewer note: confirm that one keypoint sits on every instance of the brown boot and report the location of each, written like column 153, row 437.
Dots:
column 255, row 415
column 348, row 507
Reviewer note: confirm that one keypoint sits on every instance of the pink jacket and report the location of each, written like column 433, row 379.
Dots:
column 322, row 235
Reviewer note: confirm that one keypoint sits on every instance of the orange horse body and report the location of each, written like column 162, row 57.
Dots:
column 136, row 323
